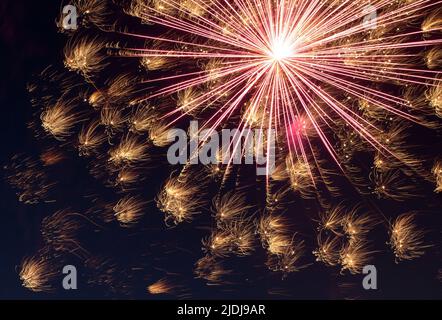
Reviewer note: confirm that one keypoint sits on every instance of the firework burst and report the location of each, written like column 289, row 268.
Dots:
column 290, row 59
column 343, row 85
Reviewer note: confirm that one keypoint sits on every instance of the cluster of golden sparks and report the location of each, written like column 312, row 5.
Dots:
column 342, row 82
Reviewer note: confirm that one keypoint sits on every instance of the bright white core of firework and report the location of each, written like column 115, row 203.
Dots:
column 281, row 49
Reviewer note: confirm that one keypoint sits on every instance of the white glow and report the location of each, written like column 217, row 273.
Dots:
column 281, row 49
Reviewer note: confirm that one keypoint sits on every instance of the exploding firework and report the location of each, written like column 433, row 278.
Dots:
column 181, row 198
column 39, row 272
column 342, row 85
column 354, row 257
column 407, row 240
column 129, row 210
column 329, row 250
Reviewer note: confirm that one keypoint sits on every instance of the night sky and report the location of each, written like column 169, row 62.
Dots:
column 29, row 43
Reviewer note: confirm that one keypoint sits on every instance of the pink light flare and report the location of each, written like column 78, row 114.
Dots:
column 289, row 60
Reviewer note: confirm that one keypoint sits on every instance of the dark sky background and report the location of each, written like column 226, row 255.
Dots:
column 29, row 42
